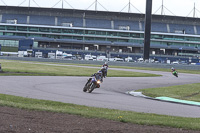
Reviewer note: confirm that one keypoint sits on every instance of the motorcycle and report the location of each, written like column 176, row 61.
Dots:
column 175, row 73
column 104, row 71
column 91, row 84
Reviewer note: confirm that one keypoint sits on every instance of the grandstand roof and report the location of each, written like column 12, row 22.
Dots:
column 96, row 14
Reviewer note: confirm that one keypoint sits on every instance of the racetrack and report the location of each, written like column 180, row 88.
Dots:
column 111, row 94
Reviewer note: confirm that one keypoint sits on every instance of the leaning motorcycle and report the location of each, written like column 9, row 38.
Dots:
column 91, row 84
column 175, row 73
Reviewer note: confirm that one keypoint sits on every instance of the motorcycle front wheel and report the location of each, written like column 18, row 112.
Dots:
column 85, row 89
column 92, row 86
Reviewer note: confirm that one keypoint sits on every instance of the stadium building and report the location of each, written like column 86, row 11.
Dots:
column 81, row 32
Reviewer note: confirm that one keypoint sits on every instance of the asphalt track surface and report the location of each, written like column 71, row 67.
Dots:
column 110, row 95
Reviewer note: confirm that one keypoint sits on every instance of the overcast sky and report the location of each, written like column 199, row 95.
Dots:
column 170, row 7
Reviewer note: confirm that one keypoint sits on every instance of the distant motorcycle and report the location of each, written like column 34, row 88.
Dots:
column 104, row 71
column 175, row 73
column 91, row 84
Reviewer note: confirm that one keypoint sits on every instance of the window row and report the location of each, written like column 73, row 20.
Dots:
column 135, row 41
column 72, row 31
column 97, row 33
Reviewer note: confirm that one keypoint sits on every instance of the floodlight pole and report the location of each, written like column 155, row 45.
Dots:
column 129, row 6
column 162, row 8
column 29, row 3
column 96, row 5
column 194, row 10
column 147, row 34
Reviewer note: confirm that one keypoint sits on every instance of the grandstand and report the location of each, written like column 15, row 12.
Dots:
column 97, row 32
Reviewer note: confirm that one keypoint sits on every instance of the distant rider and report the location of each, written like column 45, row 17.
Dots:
column 173, row 69
column 105, row 65
column 104, row 69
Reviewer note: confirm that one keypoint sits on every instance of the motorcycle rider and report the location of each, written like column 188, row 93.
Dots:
column 173, row 69
column 104, row 69
column 98, row 75
column 105, row 65
column 174, row 72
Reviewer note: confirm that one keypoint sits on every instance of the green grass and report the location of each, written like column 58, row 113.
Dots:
column 159, row 69
column 148, row 68
column 189, row 92
column 124, row 67
column 32, row 69
column 92, row 112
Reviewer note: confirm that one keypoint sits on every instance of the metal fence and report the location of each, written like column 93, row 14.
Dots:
column 129, row 64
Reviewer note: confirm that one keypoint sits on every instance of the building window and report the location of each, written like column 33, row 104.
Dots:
column 56, row 30
column 44, row 29
column 11, row 27
column 22, row 28
column 33, row 29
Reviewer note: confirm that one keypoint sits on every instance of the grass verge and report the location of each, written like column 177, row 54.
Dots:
column 44, row 69
column 189, row 92
column 160, row 69
column 92, row 112
column 124, row 67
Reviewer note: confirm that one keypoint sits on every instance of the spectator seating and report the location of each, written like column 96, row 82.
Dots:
column 100, row 23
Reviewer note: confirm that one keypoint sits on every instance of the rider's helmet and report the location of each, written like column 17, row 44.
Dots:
column 105, row 63
column 172, row 68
